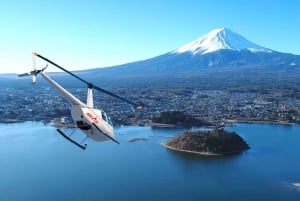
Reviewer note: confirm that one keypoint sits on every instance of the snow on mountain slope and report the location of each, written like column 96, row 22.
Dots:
column 219, row 39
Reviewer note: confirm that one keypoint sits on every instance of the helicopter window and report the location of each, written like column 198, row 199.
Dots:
column 109, row 121
column 104, row 116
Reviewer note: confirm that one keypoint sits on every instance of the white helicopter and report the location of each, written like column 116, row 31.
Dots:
column 94, row 123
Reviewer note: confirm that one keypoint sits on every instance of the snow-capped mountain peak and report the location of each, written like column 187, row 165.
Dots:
column 218, row 39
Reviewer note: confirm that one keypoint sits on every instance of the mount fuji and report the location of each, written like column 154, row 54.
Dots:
column 218, row 51
column 221, row 58
column 220, row 39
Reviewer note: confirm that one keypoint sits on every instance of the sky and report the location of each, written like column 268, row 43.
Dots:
column 85, row 34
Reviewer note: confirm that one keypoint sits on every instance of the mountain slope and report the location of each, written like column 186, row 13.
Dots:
column 219, row 50
column 220, row 39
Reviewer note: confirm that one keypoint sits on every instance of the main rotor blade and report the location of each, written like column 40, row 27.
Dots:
column 116, row 96
column 58, row 66
column 91, row 85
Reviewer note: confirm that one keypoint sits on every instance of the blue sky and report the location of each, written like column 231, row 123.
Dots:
column 82, row 34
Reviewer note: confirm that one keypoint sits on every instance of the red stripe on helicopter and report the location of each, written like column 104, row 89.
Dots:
column 92, row 117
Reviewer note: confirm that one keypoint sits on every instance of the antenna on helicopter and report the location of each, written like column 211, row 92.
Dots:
column 91, row 85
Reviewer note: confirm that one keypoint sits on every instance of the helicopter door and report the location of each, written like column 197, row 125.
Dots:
column 77, row 114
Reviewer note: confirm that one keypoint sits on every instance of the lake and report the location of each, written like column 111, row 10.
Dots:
column 36, row 163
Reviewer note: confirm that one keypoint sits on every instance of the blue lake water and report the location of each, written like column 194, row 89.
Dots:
column 36, row 163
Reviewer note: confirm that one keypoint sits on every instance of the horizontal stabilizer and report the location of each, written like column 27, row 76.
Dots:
column 24, row 74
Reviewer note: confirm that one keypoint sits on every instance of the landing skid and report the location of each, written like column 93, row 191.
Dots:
column 71, row 140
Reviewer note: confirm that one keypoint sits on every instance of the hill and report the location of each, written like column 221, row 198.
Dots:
column 214, row 142
column 177, row 119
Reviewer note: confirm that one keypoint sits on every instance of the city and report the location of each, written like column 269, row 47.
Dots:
column 43, row 103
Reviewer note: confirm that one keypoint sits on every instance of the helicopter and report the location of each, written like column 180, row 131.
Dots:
column 94, row 123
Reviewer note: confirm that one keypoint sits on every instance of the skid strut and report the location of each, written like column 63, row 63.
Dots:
column 71, row 140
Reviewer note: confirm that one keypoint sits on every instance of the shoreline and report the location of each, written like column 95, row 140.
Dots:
column 193, row 152
column 260, row 122
column 233, row 121
column 158, row 125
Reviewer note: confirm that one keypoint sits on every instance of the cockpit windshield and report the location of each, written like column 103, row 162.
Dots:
column 109, row 121
column 106, row 118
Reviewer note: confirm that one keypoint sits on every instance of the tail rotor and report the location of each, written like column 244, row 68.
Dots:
column 34, row 72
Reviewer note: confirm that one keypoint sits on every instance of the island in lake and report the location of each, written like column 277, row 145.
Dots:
column 214, row 142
